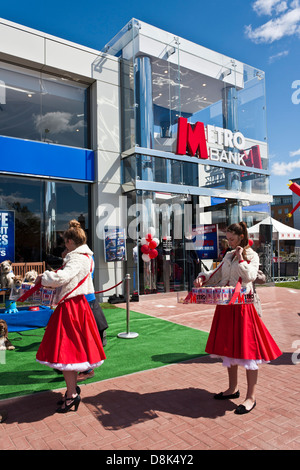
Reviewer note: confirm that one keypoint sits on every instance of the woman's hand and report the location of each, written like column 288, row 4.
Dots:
column 198, row 282
column 239, row 253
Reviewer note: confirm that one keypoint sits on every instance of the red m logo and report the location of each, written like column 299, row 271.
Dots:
column 191, row 139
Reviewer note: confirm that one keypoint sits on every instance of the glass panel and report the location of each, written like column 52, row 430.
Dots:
column 129, row 169
column 42, row 212
column 63, row 119
column 20, row 103
column 63, row 202
column 166, row 170
column 251, row 105
column 41, row 107
column 128, row 106
column 223, row 178
column 25, row 197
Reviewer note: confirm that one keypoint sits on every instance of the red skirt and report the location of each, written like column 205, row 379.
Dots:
column 71, row 340
column 238, row 332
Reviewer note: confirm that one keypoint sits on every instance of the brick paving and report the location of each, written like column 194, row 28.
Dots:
column 171, row 408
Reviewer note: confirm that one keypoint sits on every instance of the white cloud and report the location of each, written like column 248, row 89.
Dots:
column 283, row 169
column 56, row 122
column 281, row 25
column 266, row 7
column 295, row 153
column 278, row 56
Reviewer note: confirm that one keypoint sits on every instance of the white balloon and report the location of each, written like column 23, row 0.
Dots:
column 145, row 258
column 152, row 231
column 156, row 240
column 143, row 241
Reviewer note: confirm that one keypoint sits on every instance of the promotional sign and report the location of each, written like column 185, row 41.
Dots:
column 216, row 144
column 204, row 241
column 7, row 236
column 114, row 244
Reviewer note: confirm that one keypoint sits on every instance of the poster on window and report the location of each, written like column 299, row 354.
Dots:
column 7, row 236
column 114, row 244
column 204, row 241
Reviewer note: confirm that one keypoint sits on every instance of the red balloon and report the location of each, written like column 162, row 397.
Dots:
column 149, row 237
column 145, row 249
column 152, row 244
column 153, row 254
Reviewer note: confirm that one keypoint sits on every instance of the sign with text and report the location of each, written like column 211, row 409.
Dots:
column 114, row 244
column 204, row 240
column 7, row 235
column 216, row 144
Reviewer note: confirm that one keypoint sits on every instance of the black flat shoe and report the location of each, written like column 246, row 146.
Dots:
column 221, row 396
column 61, row 402
column 242, row 410
column 69, row 403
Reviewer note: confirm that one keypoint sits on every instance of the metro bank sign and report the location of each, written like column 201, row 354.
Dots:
column 193, row 140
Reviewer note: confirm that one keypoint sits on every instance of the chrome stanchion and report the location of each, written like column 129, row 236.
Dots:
column 127, row 334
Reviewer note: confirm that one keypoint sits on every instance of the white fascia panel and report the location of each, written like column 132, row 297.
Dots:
column 16, row 42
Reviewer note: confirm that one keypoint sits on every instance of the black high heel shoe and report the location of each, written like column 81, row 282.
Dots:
column 72, row 402
column 232, row 396
column 61, row 402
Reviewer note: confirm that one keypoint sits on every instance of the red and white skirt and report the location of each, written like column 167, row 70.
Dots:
column 240, row 337
column 71, row 341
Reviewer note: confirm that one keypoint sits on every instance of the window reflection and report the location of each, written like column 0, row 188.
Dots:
column 165, row 170
column 42, row 212
column 42, row 107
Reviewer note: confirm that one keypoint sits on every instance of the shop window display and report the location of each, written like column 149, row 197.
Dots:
column 42, row 211
column 42, row 107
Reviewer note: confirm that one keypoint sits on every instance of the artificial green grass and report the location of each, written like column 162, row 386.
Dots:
column 160, row 342
column 289, row 284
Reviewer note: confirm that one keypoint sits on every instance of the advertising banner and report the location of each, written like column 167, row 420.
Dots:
column 7, row 236
column 114, row 244
column 204, row 241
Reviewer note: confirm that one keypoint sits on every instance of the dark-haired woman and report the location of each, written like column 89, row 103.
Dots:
column 71, row 342
column 237, row 333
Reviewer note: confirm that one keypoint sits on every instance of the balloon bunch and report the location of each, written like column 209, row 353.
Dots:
column 149, row 245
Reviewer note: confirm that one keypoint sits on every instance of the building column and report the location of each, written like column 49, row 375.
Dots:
column 233, row 178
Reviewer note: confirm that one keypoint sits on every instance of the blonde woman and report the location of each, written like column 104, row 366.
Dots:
column 71, row 342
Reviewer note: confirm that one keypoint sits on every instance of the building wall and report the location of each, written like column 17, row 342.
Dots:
column 34, row 49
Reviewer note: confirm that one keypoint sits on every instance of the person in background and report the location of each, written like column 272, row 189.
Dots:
column 101, row 324
column 237, row 333
column 71, row 342
column 225, row 248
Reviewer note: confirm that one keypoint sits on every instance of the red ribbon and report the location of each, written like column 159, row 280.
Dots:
column 29, row 292
column 237, row 291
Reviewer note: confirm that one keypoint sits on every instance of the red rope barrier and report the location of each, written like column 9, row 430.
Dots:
column 101, row 291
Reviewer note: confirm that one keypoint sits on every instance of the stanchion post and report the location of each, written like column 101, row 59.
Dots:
column 128, row 334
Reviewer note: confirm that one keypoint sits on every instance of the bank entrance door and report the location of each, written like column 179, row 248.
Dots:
column 175, row 266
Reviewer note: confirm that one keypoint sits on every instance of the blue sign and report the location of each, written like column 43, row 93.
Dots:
column 7, row 236
column 28, row 157
column 205, row 241
column 114, row 244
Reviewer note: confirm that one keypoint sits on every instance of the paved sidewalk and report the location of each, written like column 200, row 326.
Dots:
column 171, row 408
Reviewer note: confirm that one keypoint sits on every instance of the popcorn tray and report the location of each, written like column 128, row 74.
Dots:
column 42, row 296
column 215, row 295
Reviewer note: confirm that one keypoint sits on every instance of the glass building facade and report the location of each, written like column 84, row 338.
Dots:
column 49, row 109
column 165, row 79
column 153, row 133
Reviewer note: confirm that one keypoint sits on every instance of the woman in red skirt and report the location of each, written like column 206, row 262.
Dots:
column 237, row 333
column 71, row 342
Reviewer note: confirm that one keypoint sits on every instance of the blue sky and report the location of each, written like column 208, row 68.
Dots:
column 261, row 33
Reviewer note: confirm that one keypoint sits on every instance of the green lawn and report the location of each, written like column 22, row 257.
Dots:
column 159, row 343
column 289, row 285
